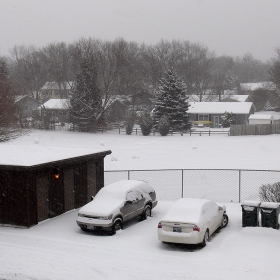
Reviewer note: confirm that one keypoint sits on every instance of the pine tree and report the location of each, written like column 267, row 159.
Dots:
column 267, row 106
column 7, row 102
column 146, row 123
column 86, row 100
column 172, row 102
column 228, row 119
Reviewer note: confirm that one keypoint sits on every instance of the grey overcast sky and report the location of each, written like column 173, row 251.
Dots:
column 227, row 27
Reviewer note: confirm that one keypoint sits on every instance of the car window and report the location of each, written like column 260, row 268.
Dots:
column 133, row 195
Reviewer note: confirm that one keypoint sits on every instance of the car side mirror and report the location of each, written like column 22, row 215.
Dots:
column 221, row 208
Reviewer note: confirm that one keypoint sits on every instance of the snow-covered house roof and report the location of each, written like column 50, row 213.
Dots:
column 19, row 98
column 220, row 107
column 276, row 115
column 57, row 104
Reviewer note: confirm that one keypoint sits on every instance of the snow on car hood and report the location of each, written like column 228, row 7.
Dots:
column 103, row 204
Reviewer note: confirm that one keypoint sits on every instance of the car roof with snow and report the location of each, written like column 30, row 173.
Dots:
column 187, row 210
column 124, row 186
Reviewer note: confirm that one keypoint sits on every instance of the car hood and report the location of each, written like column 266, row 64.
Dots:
column 101, row 207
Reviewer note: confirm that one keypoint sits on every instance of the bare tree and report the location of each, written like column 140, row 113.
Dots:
column 57, row 59
column 28, row 72
column 274, row 71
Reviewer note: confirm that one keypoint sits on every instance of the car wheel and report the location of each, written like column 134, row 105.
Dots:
column 116, row 226
column 206, row 238
column 224, row 221
column 147, row 212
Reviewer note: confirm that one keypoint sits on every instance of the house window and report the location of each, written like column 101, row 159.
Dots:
column 203, row 117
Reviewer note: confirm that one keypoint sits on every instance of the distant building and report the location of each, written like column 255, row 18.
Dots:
column 211, row 113
column 52, row 90
column 57, row 109
column 26, row 105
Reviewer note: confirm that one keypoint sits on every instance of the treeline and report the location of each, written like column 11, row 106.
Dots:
column 125, row 68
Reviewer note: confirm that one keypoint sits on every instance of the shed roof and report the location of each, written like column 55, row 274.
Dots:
column 261, row 117
column 27, row 156
column 220, row 107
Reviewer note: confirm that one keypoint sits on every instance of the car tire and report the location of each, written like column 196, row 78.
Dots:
column 224, row 221
column 116, row 226
column 205, row 238
column 147, row 212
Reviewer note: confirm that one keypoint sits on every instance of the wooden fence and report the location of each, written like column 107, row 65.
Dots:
column 254, row 129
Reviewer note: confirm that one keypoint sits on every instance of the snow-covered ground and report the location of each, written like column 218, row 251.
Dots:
column 58, row 249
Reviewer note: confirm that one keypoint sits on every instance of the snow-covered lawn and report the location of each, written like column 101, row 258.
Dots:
column 58, row 249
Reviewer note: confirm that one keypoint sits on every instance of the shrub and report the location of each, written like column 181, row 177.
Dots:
column 130, row 121
column 270, row 192
column 146, row 124
column 163, row 125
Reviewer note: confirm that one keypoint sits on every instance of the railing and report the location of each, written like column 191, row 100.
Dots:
column 223, row 185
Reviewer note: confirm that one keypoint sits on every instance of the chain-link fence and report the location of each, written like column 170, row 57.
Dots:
column 224, row 185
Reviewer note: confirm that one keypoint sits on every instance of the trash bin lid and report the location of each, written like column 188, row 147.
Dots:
column 251, row 203
column 271, row 205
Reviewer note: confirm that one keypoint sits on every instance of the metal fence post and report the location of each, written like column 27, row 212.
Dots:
column 128, row 175
column 239, row 185
column 182, row 183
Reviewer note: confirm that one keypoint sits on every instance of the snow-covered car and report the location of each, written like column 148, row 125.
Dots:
column 191, row 221
column 117, row 203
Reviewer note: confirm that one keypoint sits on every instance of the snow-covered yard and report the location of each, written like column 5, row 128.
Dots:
column 58, row 249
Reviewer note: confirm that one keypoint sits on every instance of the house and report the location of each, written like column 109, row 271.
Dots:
column 57, row 109
column 26, row 105
column 265, row 117
column 40, row 182
column 211, row 113
column 56, row 90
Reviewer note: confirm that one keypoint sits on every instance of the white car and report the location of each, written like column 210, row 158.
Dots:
column 191, row 221
column 117, row 203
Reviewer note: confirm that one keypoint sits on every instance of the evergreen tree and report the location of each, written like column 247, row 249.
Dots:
column 86, row 100
column 172, row 102
column 228, row 119
column 7, row 102
column 267, row 106
column 163, row 125
column 130, row 121
column 146, row 123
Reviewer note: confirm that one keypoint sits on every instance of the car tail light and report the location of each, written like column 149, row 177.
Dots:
column 159, row 225
column 196, row 228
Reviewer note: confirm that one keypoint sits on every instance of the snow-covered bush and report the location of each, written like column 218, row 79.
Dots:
column 163, row 125
column 270, row 192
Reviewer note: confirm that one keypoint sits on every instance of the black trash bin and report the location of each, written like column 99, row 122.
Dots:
column 250, row 213
column 270, row 214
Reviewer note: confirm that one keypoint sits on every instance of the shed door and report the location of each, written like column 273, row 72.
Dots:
column 42, row 187
column 69, row 201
